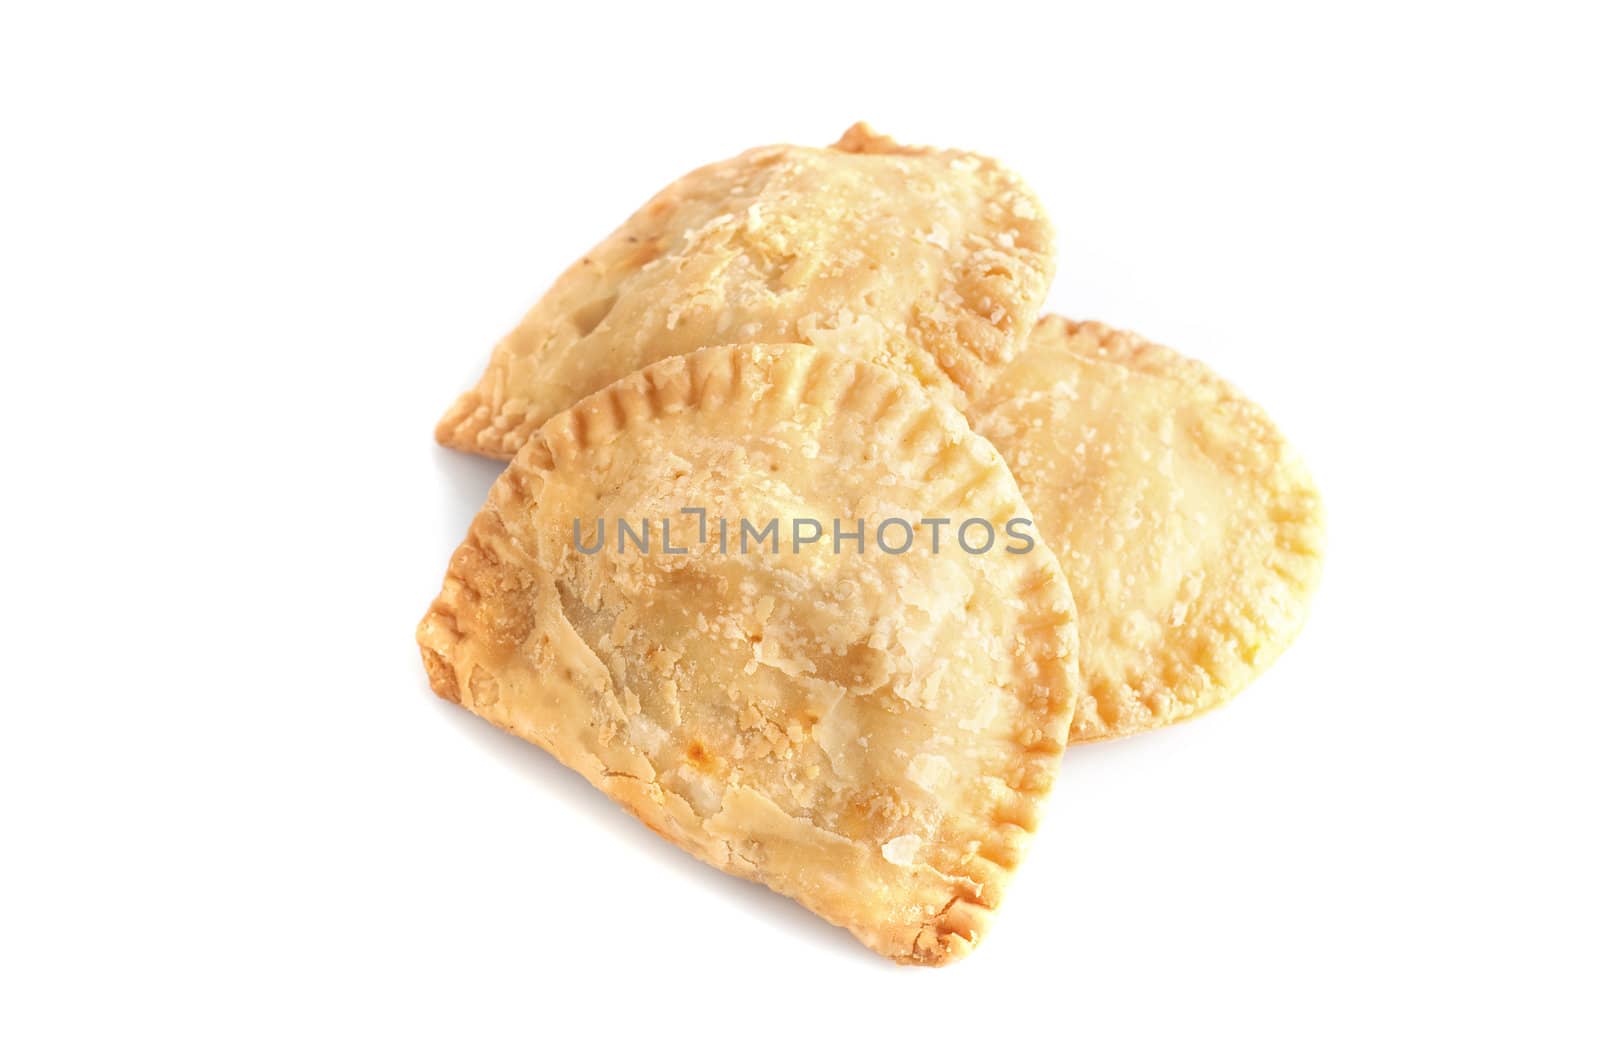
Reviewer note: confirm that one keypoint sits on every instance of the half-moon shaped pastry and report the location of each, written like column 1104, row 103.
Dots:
column 932, row 262
column 1190, row 533
column 866, row 727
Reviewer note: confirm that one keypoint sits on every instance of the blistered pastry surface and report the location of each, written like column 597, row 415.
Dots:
column 870, row 733
column 928, row 261
column 1189, row 531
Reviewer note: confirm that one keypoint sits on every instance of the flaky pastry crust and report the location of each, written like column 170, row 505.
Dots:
column 1191, row 534
column 931, row 262
column 872, row 734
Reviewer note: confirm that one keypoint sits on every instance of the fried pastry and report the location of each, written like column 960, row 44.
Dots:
column 931, row 262
column 868, row 729
column 1190, row 534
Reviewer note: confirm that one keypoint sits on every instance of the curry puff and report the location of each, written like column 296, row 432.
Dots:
column 870, row 732
column 1190, row 533
column 931, row 262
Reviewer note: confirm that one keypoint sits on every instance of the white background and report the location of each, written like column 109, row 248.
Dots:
column 248, row 257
